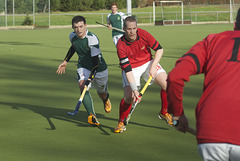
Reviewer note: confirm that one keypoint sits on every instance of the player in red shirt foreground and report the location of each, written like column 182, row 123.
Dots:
column 218, row 111
column 136, row 61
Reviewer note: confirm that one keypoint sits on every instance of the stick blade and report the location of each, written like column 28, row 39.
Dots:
column 76, row 109
column 72, row 113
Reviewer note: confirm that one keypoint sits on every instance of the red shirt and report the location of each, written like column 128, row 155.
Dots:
column 138, row 52
column 218, row 110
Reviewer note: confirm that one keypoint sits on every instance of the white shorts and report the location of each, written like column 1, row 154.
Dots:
column 116, row 38
column 99, row 82
column 142, row 72
column 219, row 151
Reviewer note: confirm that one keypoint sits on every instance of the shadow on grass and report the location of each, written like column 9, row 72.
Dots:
column 55, row 113
column 19, row 43
column 61, row 114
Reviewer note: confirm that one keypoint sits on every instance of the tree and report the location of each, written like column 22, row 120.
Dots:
column 42, row 6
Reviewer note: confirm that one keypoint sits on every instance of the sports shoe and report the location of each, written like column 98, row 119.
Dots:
column 107, row 104
column 166, row 117
column 92, row 119
column 120, row 128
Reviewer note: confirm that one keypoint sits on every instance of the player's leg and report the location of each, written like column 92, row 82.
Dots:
column 126, row 102
column 87, row 100
column 124, row 109
column 161, row 80
column 100, row 84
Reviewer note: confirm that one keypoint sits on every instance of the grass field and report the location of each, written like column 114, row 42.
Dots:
column 34, row 101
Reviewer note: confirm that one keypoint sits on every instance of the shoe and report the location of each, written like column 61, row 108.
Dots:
column 120, row 128
column 92, row 119
column 166, row 117
column 107, row 105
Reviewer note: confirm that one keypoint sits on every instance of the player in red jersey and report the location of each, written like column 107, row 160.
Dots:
column 136, row 61
column 218, row 111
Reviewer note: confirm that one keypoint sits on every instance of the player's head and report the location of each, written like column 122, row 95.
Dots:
column 79, row 26
column 237, row 22
column 77, row 19
column 114, row 7
column 130, row 28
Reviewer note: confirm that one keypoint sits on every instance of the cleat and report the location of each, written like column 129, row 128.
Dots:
column 167, row 117
column 92, row 119
column 107, row 105
column 120, row 128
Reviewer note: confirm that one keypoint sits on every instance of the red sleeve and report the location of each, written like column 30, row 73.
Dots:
column 175, row 82
column 152, row 42
column 191, row 63
column 122, row 55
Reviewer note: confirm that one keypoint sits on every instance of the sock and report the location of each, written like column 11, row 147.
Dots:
column 124, row 110
column 88, row 103
column 164, row 108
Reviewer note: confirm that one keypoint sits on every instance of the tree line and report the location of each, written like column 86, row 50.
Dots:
column 26, row 6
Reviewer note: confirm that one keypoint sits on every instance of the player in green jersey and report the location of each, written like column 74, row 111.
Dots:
column 92, row 68
column 115, row 19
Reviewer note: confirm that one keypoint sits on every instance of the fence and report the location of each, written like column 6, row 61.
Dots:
column 62, row 19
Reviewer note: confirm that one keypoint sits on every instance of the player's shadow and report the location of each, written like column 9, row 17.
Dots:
column 57, row 113
column 61, row 114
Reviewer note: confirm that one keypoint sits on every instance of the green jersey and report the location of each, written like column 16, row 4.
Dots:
column 116, row 20
column 87, row 48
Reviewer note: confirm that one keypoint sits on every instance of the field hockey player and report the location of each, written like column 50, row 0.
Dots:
column 92, row 69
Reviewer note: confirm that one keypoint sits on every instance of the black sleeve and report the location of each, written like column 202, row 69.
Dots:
column 70, row 53
column 96, row 61
column 128, row 68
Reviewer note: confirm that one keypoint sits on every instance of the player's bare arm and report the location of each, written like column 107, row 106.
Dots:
column 156, row 60
column 62, row 66
column 133, row 85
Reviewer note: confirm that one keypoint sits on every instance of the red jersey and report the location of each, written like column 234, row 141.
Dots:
column 138, row 52
column 218, row 110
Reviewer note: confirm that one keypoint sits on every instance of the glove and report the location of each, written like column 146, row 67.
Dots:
column 88, row 82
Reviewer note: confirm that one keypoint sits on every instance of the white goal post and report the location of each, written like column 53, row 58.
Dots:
column 161, row 2
column 233, row 8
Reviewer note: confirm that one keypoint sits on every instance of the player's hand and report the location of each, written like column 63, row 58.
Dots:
column 136, row 96
column 61, row 67
column 153, row 71
column 182, row 123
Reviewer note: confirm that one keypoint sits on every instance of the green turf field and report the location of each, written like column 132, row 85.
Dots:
column 34, row 101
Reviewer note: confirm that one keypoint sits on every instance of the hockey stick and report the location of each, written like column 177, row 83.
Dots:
column 79, row 102
column 112, row 27
column 189, row 130
column 136, row 102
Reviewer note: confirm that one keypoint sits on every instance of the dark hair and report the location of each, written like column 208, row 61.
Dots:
column 238, row 20
column 77, row 19
column 114, row 4
column 129, row 19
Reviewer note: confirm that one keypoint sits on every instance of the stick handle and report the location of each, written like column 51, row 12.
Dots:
column 107, row 26
column 146, row 85
column 189, row 130
column 140, row 94
column 83, row 93
column 101, row 24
